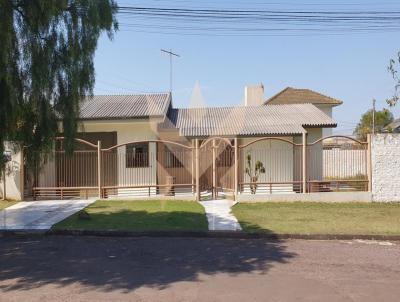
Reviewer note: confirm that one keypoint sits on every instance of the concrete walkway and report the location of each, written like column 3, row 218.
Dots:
column 39, row 215
column 219, row 215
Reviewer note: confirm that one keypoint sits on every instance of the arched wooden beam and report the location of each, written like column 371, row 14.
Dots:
column 341, row 136
column 269, row 138
column 210, row 139
column 148, row 141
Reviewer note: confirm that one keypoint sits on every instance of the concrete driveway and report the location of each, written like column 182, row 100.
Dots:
column 39, row 215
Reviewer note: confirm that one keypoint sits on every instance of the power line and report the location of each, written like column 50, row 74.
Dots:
column 248, row 21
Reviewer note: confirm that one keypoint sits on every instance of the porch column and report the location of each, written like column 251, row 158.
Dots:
column 304, row 162
column 192, row 169
column 236, row 169
column 197, row 171
column 99, row 168
column 214, row 177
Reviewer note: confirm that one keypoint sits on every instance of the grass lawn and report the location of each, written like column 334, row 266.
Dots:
column 148, row 215
column 6, row 203
column 319, row 218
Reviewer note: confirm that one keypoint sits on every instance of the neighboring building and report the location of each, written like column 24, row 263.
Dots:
column 393, row 127
column 306, row 96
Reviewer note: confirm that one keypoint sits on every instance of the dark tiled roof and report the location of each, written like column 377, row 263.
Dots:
column 301, row 96
column 125, row 106
column 254, row 120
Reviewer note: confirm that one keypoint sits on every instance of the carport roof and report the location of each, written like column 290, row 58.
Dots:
column 246, row 121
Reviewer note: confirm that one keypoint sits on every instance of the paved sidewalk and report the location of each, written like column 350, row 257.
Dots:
column 39, row 215
column 219, row 215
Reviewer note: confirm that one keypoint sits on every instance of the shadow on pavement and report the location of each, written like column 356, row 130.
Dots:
column 128, row 263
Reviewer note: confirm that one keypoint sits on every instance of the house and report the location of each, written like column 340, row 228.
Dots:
column 306, row 96
column 142, row 145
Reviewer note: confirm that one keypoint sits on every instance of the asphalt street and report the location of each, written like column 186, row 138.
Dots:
column 58, row 268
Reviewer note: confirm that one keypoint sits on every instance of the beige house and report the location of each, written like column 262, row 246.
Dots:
column 135, row 145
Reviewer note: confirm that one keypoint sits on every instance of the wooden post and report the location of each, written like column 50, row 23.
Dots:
column 99, row 167
column 197, row 171
column 369, row 162
column 214, row 177
column 304, row 162
column 236, row 169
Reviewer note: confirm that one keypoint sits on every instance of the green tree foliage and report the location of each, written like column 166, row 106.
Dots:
column 46, row 66
column 364, row 126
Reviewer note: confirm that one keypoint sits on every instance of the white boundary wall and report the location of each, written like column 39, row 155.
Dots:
column 14, row 175
column 385, row 158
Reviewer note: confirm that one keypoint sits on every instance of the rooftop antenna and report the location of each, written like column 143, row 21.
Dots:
column 170, row 53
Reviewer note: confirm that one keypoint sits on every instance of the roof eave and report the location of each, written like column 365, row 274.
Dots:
column 120, row 118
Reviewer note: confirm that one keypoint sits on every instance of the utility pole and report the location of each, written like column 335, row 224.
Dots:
column 373, row 116
column 170, row 53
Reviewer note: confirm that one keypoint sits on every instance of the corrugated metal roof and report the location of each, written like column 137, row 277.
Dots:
column 301, row 96
column 125, row 106
column 255, row 120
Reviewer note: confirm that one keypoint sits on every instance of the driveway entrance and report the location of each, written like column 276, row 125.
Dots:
column 39, row 215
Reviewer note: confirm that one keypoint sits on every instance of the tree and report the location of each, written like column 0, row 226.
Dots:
column 393, row 68
column 364, row 126
column 46, row 66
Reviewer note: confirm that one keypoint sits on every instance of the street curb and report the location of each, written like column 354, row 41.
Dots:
column 195, row 234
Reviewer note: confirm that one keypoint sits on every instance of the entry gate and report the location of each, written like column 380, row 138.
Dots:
column 216, row 168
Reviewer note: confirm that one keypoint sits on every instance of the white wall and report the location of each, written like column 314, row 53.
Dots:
column 14, row 180
column 386, row 167
column 327, row 109
column 339, row 164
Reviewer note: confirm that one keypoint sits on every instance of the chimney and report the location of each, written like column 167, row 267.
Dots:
column 254, row 95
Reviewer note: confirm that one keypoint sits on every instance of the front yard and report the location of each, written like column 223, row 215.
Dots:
column 6, row 203
column 146, row 215
column 319, row 218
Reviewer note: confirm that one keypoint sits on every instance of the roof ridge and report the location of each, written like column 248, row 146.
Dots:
column 129, row 94
column 325, row 95
column 302, row 95
column 277, row 94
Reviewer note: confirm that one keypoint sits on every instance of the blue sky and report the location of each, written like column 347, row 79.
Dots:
column 351, row 67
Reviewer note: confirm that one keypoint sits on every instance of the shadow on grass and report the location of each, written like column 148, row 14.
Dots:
column 128, row 263
column 130, row 220
column 254, row 228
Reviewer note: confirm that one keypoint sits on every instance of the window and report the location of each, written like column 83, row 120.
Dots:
column 137, row 155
